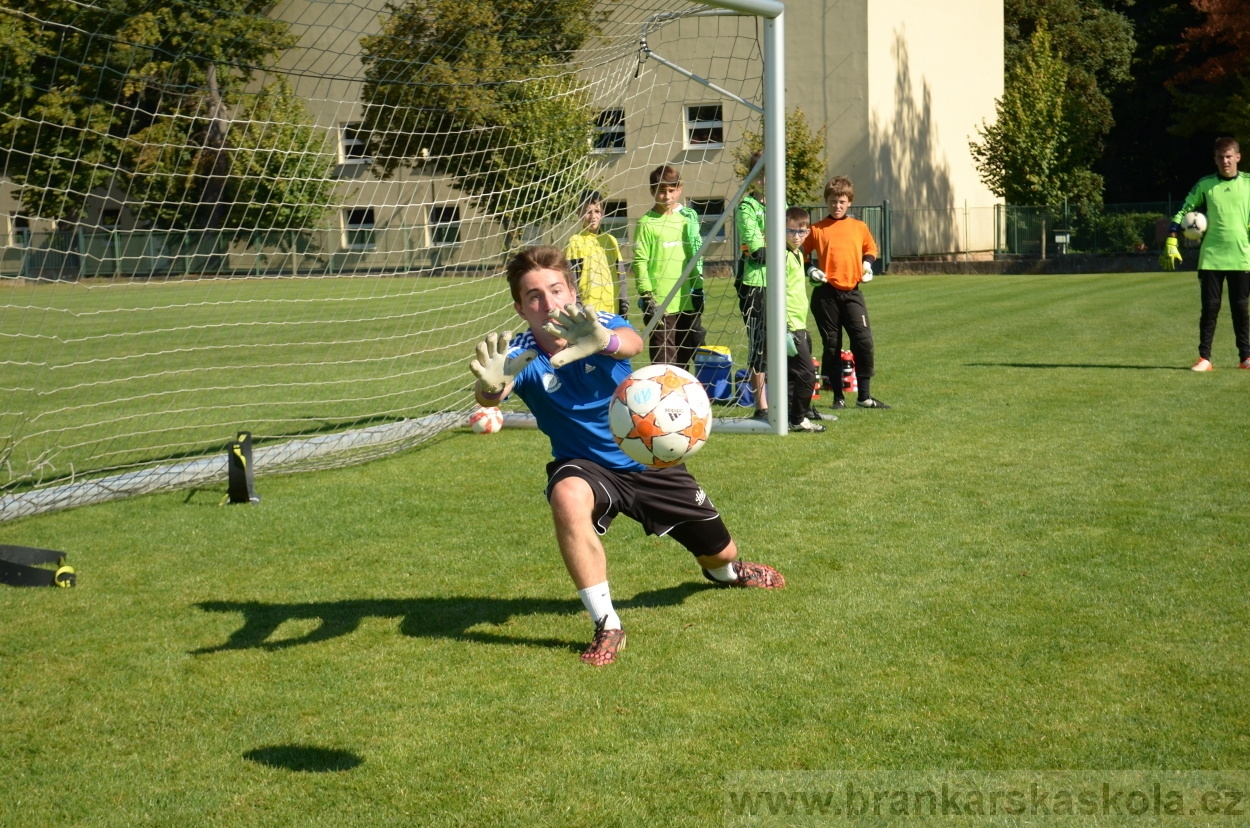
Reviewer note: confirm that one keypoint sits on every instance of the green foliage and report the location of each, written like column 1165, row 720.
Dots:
column 1030, row 155
column 1097, row 45
column 485, row 92
column 81, row 107
column 805, row 157
column 279, row 167
column 1127, row 232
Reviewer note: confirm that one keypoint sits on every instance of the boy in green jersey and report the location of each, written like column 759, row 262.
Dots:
column 749, row 219
column 1225, row 252
column 665, row 240
column 800, row 372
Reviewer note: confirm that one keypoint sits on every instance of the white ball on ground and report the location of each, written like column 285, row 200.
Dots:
column 486, row 420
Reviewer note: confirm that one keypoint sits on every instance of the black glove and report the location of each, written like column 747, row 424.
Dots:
column 646, row 304
column 760, row 256
column 697, row 300
column 622, row 308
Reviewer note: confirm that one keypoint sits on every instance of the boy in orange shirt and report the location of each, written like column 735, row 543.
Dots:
column 845, row 254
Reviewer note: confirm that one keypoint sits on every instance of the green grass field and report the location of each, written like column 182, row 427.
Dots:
column 1037, row 560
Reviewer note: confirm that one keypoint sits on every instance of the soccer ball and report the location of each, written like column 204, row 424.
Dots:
column 486, row 420
column 660, row 415
column 1193, row 225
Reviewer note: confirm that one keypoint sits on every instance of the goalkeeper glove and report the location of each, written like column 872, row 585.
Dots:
column 867, row 272
column 622, row 308
column 581, row 330
column 646, row 304
column 1171, row 254
column 759, row 256
column 816, row 275
column 697, row 300
column 493, row 368
column 792, row 349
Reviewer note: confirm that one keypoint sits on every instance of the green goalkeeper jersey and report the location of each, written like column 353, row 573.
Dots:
column 1226, row 201
column 663, row 244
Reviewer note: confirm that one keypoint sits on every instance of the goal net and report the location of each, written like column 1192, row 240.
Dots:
column 291, row 219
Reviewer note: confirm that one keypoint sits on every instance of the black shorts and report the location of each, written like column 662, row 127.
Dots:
column 665, row 501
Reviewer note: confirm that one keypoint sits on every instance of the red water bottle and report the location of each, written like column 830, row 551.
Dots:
column 850, row 383
column 816, row 384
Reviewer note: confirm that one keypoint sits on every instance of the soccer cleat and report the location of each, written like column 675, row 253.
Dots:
column 871, row 402
column 807, row 426
column 751, row 575
column 1203, row 364
column 760, row 414
column 1245, row 364
column 838, row 404
column 606, row 644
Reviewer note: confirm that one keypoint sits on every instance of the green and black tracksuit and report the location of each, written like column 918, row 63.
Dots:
column 1224, row 255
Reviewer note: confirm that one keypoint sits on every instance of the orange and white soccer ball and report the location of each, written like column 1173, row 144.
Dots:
column 660, row 415
column 486, row 420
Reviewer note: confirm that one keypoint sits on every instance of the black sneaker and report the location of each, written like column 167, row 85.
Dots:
column 871, row 402
column 760, row 415
column 838, row 404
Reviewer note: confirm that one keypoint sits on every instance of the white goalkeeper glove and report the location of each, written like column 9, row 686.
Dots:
column 1171, row 254
column 867, row 272
column 580, row 328
column 493, row 368
column 816, row 275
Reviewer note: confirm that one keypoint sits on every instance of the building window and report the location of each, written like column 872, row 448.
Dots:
column 19, row 231
column 709, row 210
column 353, row 148
column 705, row 127
column 358, row 228
column 444, row 225
column 616, row 220
column 610, row 131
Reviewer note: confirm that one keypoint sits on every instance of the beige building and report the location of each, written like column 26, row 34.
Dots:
column 901, row 85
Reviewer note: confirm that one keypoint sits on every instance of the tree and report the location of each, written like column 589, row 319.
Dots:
column 1213, row 92
column 1027, row 156
column 278, row 176
column 1097, row 45
column 805, row 157
column 487, row 93
column 138, row 92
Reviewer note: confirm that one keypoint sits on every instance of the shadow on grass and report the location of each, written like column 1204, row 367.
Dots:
column 422, row 617
column 1074, row 365
column 304, row 758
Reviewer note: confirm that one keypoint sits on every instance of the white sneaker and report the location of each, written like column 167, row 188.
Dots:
column 1203, row 364
column 808, row 426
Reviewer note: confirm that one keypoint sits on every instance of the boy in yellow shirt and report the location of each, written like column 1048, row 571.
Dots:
column 596, row 261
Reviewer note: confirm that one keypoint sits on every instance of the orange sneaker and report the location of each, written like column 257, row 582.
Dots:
column 1203, row 364
column 751, row 575
column 606, row 644
column 1244, row 364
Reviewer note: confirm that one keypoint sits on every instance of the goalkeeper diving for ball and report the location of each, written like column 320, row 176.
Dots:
column 1225, row 252
column 566, row 367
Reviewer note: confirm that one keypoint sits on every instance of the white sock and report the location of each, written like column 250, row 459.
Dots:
column 597, row 600
column 725, row 573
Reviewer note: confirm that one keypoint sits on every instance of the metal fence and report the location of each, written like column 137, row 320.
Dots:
column 1040, row 232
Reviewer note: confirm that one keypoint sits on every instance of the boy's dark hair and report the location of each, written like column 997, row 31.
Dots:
column 798, row 214
column 542, row 257
column 1224, row 143
column 588, row 198
column 754, row 159
column 664, row 174
column 838, row 186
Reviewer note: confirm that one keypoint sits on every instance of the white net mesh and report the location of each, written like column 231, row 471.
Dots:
column 291, row 219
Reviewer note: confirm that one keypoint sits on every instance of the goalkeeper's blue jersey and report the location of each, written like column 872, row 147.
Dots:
column 571, row 403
